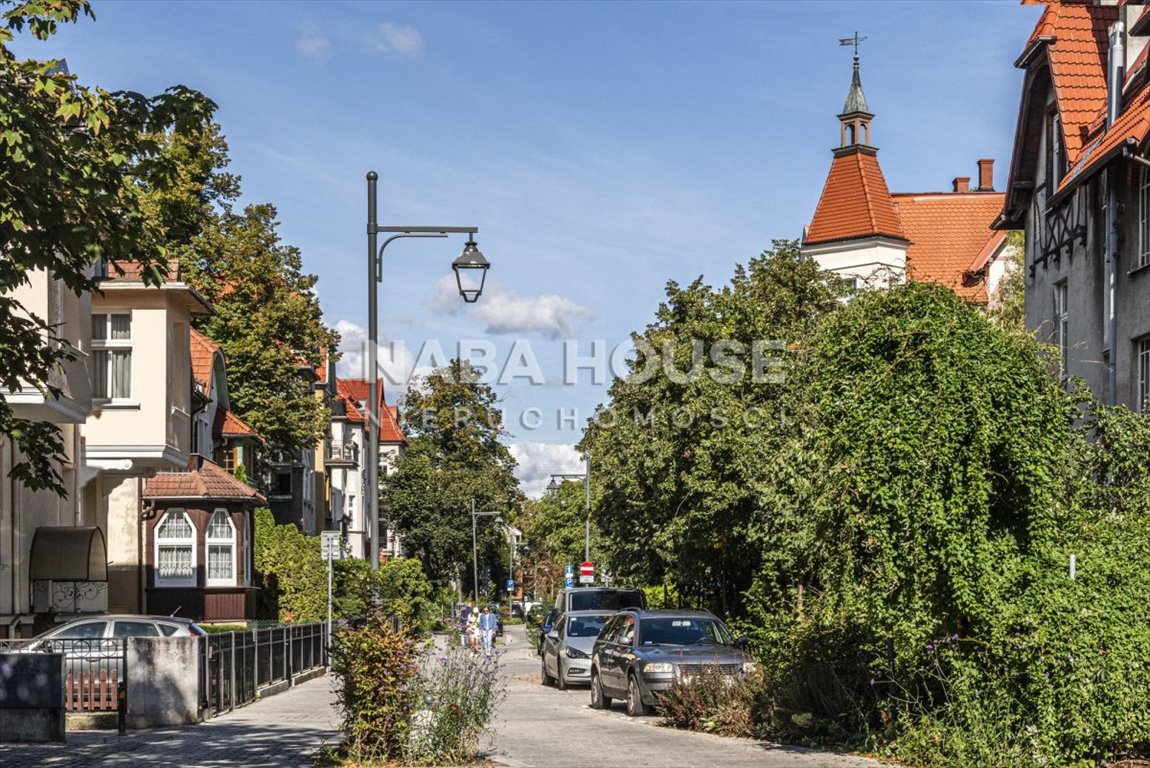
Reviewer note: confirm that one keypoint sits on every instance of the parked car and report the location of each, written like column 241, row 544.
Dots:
column 115, row 626
column 95, row 643
column 639, row 653
column 567, row 648
column 590, row 599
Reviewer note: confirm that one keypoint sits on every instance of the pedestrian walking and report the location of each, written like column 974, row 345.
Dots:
column 473, row 631
column 487, row 628
column 465, row 623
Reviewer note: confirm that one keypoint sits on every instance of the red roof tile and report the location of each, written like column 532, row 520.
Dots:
column 948, row 232
column 855, row 201
column 1077, row 57
column 357, row 391
column 1132, row 124
column 203, row 351
column 202, row 480
column 132, row 270
column 231, row 425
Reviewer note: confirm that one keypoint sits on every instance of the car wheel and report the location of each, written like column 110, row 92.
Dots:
column 598, row 699
column 560, row 681
column 545, row 678
column 635, row 705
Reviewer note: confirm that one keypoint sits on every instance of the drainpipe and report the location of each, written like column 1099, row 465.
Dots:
column 1116, row 71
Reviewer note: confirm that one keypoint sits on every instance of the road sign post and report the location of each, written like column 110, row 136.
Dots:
column 330, row 546
column 587, row 572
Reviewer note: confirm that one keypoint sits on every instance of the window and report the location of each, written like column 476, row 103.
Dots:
column 1143, row 393
column 1062, row 323
column 175, row 550
column 1144, row 218
column 229, row 460
column 221, row 546
column 134, row 629
column 1057, row 166
column 112, row 356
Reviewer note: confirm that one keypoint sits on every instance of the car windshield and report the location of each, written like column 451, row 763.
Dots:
column 684, row 630
column 614, row 600
column 585, row 626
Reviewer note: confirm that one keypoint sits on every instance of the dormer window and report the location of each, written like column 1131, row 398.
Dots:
column 1057, row 166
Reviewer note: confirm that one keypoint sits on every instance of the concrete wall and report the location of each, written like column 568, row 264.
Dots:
column 163, row 681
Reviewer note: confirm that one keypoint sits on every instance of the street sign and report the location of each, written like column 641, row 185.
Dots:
column 569, row 582
column 511, row 585
column 330, row 546
column 586, row 572
column 568, row 571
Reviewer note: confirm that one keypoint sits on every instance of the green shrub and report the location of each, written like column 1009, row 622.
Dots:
column 376, row 667
column 405, row 592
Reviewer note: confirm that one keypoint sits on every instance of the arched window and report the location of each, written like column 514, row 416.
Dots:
column 221, row 548
column 175, row 550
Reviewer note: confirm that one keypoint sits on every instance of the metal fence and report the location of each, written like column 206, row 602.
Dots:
column 235, row 666
column 92, row 668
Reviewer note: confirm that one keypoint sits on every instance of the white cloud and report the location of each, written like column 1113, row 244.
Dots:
column 538, row 461
column 395, row 362
column 396, row 38
column 503, row 311
column 313, row 46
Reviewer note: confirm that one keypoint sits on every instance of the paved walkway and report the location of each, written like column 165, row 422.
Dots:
column 281, row 730
column 547, row 728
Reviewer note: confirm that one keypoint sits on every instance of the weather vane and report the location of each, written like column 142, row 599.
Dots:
column 853, row 41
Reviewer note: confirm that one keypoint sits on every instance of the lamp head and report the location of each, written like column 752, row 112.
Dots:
column 553, row 486
column 470, row 272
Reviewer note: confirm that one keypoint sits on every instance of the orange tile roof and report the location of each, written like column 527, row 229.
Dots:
column 1077, row 57
column 203, row 351
column 855, row 202
column 1132, row 125
column 357, row 390
column 231, row 425
column 948, row 232
column 203, row 479
column 132, row 270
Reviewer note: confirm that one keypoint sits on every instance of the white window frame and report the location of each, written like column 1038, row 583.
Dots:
column 1062, row 323
column 174, row 541
column 1142, row 358
column 228, row 542
column 107, row 348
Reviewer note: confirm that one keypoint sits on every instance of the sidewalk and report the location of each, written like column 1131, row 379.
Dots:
column 281, row 730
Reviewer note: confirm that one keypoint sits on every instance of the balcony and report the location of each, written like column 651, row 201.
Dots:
column 342, row 455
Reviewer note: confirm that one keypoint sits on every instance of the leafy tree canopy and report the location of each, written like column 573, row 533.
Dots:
column 74, row 161
column 454, row 455
column 684, row 446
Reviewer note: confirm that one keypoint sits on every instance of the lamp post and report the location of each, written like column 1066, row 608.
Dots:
column 475, row 548
column 469, row 263
column 586, row 478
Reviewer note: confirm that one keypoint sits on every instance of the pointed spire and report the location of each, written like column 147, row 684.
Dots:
column 856, row 99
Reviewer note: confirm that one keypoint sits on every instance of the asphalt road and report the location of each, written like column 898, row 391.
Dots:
column 541, row 727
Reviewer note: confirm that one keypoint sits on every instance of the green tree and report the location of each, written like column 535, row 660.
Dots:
column 268, row 321
column 685, row 447
column 1008, row 307
column 267, row 316
column 454, row 455
column 73, row 159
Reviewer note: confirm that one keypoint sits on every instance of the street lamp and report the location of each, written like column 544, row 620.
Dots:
column 585, row 476
column 470, row 269
column 475, row 547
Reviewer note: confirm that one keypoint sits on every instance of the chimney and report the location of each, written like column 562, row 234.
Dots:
column 986, row 175
column 961, row 183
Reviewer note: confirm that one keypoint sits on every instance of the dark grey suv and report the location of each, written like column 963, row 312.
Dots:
column 639, row 653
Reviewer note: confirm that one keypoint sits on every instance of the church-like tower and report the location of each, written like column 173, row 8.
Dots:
column 856, row 230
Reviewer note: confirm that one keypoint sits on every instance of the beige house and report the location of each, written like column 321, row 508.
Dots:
column 142, row 419
column 54, row 524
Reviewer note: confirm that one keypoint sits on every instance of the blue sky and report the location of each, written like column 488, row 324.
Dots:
column 602, row 148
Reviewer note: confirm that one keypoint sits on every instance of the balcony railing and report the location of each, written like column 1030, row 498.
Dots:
column 342, row 454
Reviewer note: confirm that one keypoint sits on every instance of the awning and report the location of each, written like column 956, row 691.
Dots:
column 68, row 554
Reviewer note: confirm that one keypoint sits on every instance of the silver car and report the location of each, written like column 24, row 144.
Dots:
column 567, row 648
